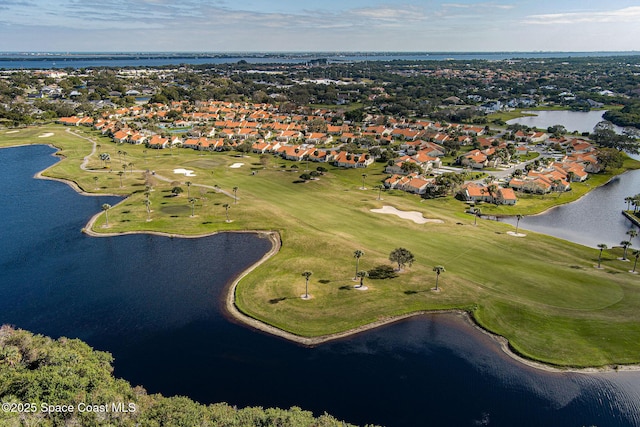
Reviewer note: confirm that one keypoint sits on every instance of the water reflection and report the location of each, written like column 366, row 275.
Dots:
column 593, row 219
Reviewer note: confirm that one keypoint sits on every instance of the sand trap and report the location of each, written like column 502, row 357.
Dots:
column 236, row 165
column 46, row 135
column 412, row 215
column 13, row 131
column 185, row 172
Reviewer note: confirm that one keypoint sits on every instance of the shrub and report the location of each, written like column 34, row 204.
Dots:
column 382, row 272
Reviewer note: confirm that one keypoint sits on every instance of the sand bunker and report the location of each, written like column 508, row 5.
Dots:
column 13, row 131
column 46, row 135
column 236, row 165
column 412, row 215
column 185, row 172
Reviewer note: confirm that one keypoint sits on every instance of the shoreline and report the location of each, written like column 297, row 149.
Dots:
column 235, row 313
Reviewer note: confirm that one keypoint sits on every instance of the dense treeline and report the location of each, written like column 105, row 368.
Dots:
column 48, row 382
column 628, row 116
column 442, row 90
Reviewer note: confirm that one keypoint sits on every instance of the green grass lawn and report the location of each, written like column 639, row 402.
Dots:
column 541, row 293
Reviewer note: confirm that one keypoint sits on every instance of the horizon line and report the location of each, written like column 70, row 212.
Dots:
column 280, row 52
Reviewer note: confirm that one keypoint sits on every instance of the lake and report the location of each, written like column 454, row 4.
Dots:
column 595, row 218
column 580, row 121
column 155, row 303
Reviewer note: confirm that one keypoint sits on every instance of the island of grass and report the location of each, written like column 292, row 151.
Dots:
column 541, row 293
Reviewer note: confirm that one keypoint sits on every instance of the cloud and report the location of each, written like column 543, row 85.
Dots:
column 629, row 14
column 487, row 5
column 389, row 14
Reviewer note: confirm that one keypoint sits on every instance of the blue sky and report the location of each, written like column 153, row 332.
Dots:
column 321, row 25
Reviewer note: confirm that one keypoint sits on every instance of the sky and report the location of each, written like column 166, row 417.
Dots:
column 319, row 25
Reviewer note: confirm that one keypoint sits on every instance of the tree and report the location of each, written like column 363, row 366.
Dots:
column 364, row 176
column 176, row 190
column 361, row 274
column 105, row 208
column 518, row 218
column 226, row 211
column 104, row 158
column 438, row 269
column 95, row 182
column 476, row 213
column 628, row 199
column 605, row 136
column 402, row 257
column 147, row 204
column 636, row 255
column 625, row 244
column 380, row 187
column 306, row 274
column 235, row 195
column 192, row 202
column 357, row 254
column 120, row 173
column 610, row 158
column 188, row 184
column 632, row 233
column 602, row 247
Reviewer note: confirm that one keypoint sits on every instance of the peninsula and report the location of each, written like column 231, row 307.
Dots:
column 540, row 293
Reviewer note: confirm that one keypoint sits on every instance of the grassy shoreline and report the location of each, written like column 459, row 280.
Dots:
column 542, row 294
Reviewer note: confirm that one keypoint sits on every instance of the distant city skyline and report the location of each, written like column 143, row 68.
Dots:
column 330, row 25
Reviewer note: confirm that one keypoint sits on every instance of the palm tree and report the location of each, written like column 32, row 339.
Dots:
column 602, row 247
column 362, row 274
column 357, row 254
column 95, row 181
column 625, row 244
column 188, row 184
column 226, row 211
column 104, row 157
column 147, row 204
column 632, row 233
column 380, row 188
column 120, row 173
column 131, row 167
column 438, row 269
column 518, row 218
column 628, row 199
column 364, row 175
column 636, row 255
column 306, row 275
column 105, row 208
column 235, row 195
column 192, row 202
column 476, row 213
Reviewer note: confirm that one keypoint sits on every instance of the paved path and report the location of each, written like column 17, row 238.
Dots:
column 87, row 158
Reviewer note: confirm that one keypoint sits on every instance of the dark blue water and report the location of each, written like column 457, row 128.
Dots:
column 32, row 61
column 154, row 303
